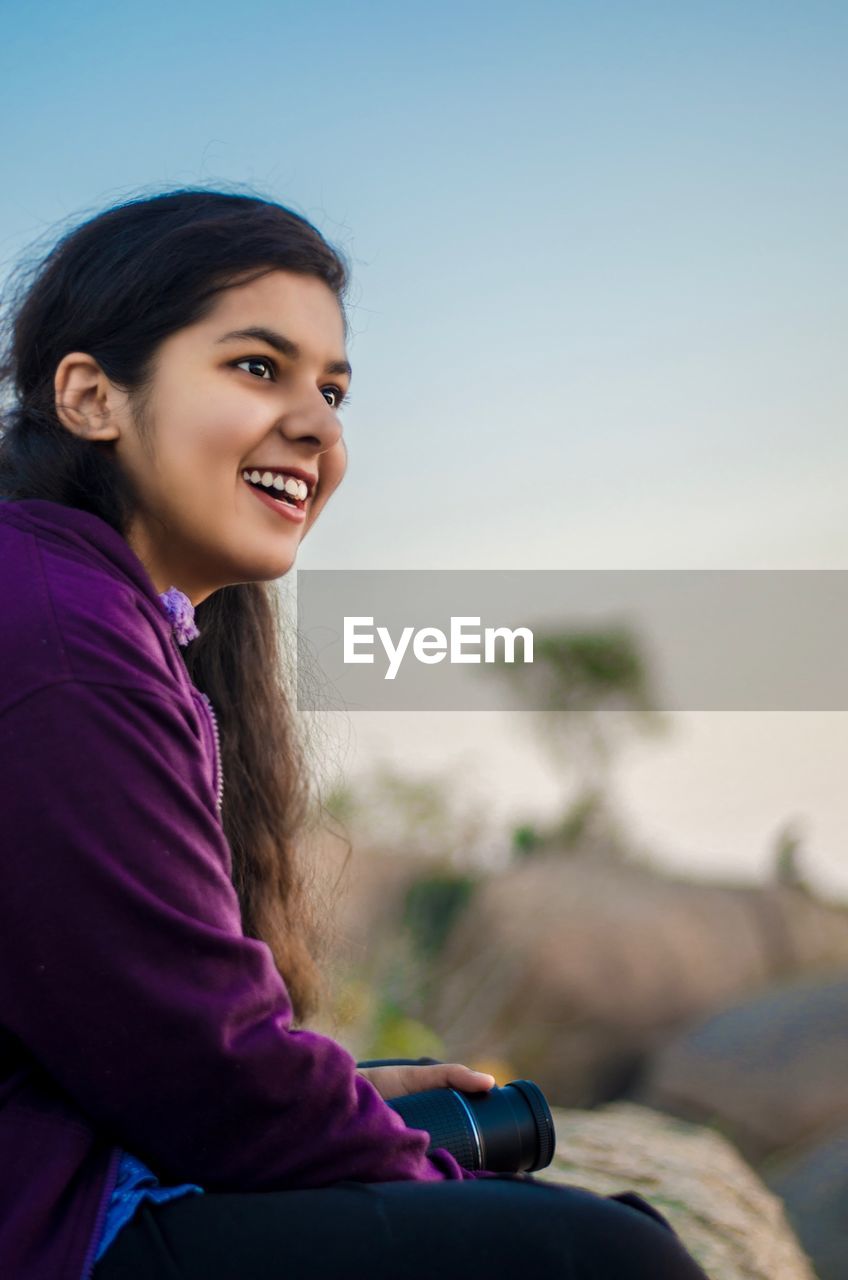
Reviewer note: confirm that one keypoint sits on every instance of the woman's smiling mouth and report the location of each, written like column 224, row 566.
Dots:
column 283, row 492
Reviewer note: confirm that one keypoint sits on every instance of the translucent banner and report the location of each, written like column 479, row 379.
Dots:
column 466, row 640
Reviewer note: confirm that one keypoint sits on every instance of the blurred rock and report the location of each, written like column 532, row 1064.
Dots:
column 729, row 1221
column 367, row 906
column 814, row 1187
column 573, row 970
column 771, row 1071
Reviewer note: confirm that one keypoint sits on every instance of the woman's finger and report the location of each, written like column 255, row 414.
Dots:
column 462, row 1077
column 395, row 1081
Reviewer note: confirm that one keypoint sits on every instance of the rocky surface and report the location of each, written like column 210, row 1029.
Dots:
column 574, row 971
column 770, row 1071
column 813, row 1183
column 723, row 1003
column 729, row 1221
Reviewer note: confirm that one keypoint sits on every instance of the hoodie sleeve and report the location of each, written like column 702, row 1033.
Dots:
column 125, row 972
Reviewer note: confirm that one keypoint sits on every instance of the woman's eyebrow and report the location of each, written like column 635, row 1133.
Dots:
column 280, row 343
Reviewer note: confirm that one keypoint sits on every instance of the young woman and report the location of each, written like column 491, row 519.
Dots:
column 176, row 366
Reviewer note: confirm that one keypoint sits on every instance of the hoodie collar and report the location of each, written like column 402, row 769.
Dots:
column 83, row 527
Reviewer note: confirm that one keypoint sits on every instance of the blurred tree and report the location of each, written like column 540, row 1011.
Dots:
column 526, row 839
column 433, row 816
column 396, row 1035
column 788, row 855
column 432, row 904
column 340, row 802
column 596, row 688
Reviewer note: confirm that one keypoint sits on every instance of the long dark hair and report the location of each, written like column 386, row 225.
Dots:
column 115, row 287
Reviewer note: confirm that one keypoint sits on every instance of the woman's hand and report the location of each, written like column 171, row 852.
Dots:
column 395, row 1082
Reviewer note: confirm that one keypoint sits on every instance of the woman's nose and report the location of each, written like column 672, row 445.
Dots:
column 314, row 425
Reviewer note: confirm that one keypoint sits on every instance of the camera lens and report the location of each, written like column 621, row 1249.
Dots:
column 507, row 1130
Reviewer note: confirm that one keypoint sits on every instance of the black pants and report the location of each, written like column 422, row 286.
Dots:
column 497, row 1228
column 512, row 1226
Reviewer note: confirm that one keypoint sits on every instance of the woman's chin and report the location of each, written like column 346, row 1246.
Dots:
column 265, row 569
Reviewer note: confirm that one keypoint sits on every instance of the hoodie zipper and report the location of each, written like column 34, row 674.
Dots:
column 219, row 768
column 105, row 1200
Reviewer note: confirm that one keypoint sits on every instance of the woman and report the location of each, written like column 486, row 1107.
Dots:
column 177, row 366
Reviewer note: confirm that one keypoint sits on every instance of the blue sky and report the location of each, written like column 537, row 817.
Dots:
column 599, row 303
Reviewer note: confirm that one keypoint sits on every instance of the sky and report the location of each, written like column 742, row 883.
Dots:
column 598, row 309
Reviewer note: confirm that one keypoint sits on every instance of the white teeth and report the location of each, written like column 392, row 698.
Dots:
column 288, row 484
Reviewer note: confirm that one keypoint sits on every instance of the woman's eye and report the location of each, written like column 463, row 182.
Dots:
column 262, row 360
column 339, row 396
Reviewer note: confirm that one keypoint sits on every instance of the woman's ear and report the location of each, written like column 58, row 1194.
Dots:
column 84, row 398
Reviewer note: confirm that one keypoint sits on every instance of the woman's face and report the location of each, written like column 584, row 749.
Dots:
column 222, row 405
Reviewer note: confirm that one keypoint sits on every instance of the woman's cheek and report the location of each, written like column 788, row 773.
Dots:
column 332, row 472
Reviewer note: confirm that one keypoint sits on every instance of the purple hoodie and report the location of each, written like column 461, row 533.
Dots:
column 134, row 1013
